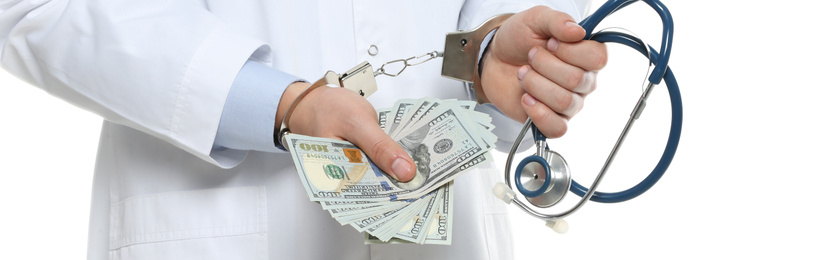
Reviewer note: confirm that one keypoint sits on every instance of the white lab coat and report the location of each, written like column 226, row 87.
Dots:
column 159, row 71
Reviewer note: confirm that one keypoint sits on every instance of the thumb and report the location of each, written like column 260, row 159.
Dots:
column 384, row 152
column 547, row 23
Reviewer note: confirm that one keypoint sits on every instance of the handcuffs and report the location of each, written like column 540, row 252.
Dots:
column 460, row 62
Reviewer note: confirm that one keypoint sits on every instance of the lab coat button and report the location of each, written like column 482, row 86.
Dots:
column 373, row 50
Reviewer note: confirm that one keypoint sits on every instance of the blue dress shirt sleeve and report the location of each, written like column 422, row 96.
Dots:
column 248, row 118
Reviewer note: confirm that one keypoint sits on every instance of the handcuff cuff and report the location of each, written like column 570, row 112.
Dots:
column 460, row 62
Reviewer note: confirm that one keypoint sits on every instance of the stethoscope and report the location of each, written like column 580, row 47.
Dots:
column 544, row 178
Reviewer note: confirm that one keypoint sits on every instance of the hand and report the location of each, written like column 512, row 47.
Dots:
column 538, row 66
column 342, row 114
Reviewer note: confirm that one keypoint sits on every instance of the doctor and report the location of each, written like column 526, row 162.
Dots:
column 191, row 92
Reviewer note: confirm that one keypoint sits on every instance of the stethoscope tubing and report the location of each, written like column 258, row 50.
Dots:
column 608, row 8
column 674, row 133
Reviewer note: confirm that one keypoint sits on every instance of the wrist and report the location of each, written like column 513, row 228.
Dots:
column 289, row 95
column 485, row 52
column 291, row 92
column 479, row 93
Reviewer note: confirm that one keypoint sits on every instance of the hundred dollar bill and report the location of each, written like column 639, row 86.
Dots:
column 355, row 213
column 484, row 123
column 437, row 108
column 439, row 146
column 413, row 113
column 382, row 117
column 347, row 215
column 369, row 224
column 327, row 205
column 418, row 113
column 390, row 229
column 385, row 227
column 439, row 230
column 396, row 114
column 466, row 166
column 348, row 212
column 335, row 170
column 415, row 229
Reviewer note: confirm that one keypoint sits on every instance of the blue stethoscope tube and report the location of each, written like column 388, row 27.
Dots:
column 673, row 135
column 612, row 6
column 660, row 72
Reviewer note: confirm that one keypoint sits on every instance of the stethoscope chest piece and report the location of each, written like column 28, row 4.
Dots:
column 543, row 178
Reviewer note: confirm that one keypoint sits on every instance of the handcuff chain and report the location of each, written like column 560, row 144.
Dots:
column 413, row 61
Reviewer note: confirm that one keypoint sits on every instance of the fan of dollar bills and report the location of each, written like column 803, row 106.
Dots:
column 444, row 137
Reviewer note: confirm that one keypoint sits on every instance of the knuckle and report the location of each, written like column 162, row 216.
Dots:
column 539, row 121
column 574, row 79
column 600, row 57
column 532, row 15
column 539, row 9
column 538, row 61
column 564, row 102
column 527, row 84
column 559, row 129
column 379, row 147
column 593, row 85
column 553, row 126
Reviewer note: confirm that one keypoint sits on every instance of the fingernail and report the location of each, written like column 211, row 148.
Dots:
column 573, row 24
column 553, row 44
column 401, row 169
column 521, row 72
column 528, row 100
column 531, row 53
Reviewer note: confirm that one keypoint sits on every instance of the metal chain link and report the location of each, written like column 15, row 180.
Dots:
column 413, row 61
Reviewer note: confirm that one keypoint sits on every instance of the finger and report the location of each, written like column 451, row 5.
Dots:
column 556, row 98
column 566, row 75
column 383, row 151
column 588, row 55
column 548, row 23
column 551, row 124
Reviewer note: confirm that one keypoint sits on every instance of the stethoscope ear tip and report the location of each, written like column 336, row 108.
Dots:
column 503, row 192
column 557, row 224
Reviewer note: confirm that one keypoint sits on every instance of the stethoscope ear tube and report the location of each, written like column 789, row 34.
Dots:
column 612, row 6
column 673, row 135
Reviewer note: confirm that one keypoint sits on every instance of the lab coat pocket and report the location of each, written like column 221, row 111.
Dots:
column 222, row 223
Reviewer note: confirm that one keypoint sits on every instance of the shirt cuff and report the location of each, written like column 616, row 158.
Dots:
column 484, row 49
column 248, row 118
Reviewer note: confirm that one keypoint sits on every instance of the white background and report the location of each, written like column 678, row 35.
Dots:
column 742, row 185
